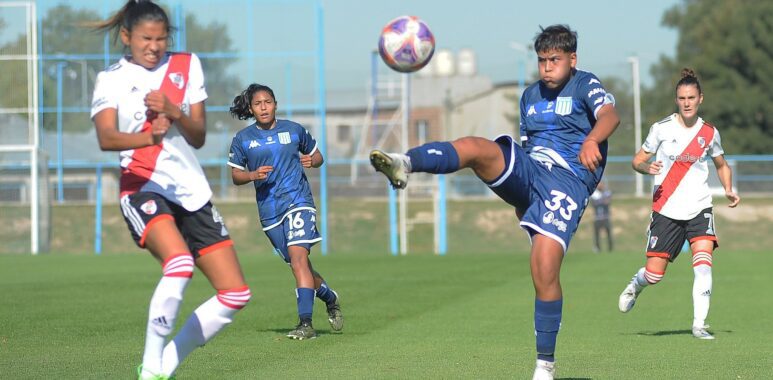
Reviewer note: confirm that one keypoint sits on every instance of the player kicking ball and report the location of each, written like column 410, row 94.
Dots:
column 566, row 119
column 681, row 202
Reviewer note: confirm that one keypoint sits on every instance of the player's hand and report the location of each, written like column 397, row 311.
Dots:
column 655, row 167
column 159, row 126
column 306, row 161
column 261, row 173
column 733, row 198
column 156, row 101
column 590, row 156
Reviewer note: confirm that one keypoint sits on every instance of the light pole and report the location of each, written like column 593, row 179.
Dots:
column 523, row 49
column 637, row 119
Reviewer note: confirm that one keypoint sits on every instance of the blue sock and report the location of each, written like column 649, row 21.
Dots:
column 547, row 321
column 434, row 157
column 325, row 294
column 305, row 297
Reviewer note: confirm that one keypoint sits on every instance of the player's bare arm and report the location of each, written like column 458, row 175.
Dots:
column 111, row 139
column 192, row 127
column 240, row 177
column 606, row 123
column 641, row 163
column 314, row 160
column 725, row 175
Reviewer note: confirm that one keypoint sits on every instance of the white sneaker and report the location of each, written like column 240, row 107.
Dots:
column 395, row 167
column 544, row 370
column 701, row 333
column 628, row 297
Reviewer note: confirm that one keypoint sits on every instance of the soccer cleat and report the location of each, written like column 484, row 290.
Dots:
column 544, row 370
column 628, row 297
column 151, row 376
column 304, row 330
column 394, row 166
column 334, row 315
column 701, row 333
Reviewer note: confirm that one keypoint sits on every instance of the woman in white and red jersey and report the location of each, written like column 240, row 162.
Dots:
column 150, row 107
column 681, row 202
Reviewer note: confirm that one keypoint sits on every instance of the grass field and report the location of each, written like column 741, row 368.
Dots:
column 464, row 315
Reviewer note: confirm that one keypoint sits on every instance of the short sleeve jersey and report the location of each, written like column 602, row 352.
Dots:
column 175, row 172
column 555, row 122
column 681, row 190
column 286, row 187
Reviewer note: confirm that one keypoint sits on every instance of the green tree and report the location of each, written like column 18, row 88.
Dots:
column 729, row 43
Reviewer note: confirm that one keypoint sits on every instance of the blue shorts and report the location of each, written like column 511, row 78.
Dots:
column 297, row 227
column 551, row 198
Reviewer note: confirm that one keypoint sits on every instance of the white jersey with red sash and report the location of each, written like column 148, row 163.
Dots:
column 170, row 168
column 681, row 190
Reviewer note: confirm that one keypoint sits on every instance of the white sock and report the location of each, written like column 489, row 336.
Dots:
column 701, row 288
column 207, row 320
column 639, row 280
column 164, row 306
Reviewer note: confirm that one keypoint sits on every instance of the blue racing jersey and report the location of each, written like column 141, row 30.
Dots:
column 555, row 122
column 286, row 187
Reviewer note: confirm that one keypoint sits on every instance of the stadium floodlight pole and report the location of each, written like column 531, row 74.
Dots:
column 634, row 60
column 59, row 145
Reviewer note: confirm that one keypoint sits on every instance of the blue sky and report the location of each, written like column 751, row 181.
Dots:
column 609, row 30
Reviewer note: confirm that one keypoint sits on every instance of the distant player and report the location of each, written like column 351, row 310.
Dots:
column 601, row 200
column 271, row 154
column 566, row 119
column 150, row 107
column 681, row 201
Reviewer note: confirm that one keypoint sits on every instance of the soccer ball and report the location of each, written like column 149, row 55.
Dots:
column 406, row 44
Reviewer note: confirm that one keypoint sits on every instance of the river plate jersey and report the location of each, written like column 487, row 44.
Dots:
column 681, row 190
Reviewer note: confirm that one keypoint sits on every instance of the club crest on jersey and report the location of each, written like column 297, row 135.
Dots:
column 149, row 207
column 177, row 79
column 701, row 141
column 284, row 138
column 563, row 105
column 653, row 241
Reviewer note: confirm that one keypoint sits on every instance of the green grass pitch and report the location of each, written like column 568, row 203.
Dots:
column 464, row 315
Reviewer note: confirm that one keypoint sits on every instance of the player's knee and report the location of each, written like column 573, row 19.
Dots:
column 701, row 258
column 653, row 276
column 236, row 298
column 179, row 265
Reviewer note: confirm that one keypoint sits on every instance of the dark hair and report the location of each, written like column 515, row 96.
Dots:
column 556, row 37
column 240, row 107
column 689, row 78
column 131, row 14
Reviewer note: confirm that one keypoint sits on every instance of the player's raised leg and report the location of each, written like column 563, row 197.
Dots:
column 482, row 155
column 221, row 266
column 650, row 274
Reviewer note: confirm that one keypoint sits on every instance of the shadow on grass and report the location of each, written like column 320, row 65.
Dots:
column 574, row 378
column 674, row 332
column 284, row 330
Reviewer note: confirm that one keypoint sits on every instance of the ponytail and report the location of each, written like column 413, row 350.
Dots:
column 132, row 13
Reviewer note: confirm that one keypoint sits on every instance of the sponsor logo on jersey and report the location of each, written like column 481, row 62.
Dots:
column 550, row 105
column 550, row 218
column 284, row 138
column 597, row 90
column 134, row 89
column 149, row 207
column 253, row 144
column 564, row 105
column 686, row 157
column 270, row 140
column 435, row 152
column 139, row 115
column 177, row 79
column 653, row 241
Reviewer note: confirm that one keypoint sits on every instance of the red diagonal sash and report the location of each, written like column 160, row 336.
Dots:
column 144, row 159
column 681, row 166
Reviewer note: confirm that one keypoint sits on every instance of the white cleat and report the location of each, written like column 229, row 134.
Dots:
column 701, row 333
column 395, row 167
column 628, row 297
column 544, row 370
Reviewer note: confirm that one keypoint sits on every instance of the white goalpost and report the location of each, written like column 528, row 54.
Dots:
column 19, row 151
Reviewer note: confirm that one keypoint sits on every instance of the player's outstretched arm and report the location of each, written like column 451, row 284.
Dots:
column 606, row 123
column 725, row 174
